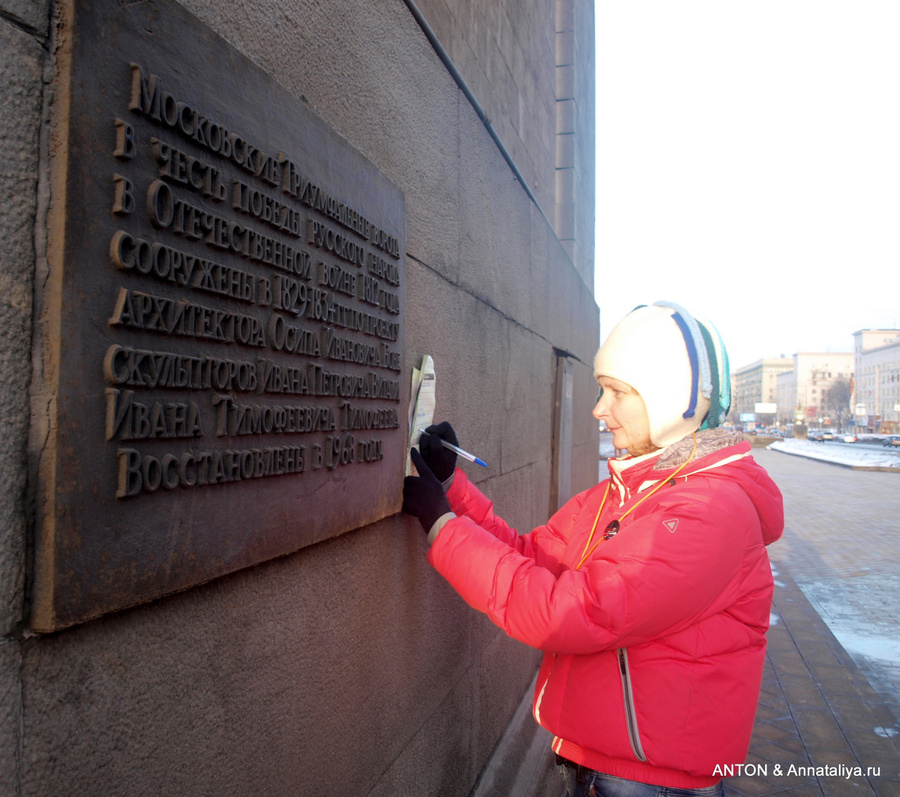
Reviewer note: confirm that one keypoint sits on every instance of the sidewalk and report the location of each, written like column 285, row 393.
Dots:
column 817, row 710
column 818, row 718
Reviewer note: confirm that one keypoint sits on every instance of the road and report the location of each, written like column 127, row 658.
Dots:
column 872, row 445
column 842, row 546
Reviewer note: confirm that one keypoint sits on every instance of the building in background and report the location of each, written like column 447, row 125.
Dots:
column 840, row 390
column 816, row 390
column 875, row 398
column 754, row 385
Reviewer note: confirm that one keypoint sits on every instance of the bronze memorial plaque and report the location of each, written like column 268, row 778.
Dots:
column 221, row 321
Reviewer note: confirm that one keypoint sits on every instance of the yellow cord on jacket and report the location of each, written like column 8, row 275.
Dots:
column 586, row 553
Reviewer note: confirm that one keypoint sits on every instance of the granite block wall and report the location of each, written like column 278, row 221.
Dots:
column 349, row 667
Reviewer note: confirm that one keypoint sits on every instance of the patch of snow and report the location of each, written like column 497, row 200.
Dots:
column 852, row 454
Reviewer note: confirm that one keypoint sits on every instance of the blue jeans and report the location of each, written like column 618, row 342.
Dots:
column 596, row 784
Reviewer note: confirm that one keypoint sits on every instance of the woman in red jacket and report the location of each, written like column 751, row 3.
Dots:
column 650, row 593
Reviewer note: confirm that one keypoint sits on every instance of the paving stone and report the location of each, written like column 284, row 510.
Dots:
column 817, row 706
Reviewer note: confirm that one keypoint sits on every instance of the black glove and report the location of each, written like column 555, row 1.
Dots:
column 423, row 495
column 441, row 461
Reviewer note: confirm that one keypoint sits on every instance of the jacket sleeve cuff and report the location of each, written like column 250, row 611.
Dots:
column 438, row 525
column 455, row 487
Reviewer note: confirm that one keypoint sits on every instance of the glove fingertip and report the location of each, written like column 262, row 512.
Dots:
column 419, row 461
column 429, row 443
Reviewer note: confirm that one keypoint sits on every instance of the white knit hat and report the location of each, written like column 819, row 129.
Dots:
column 673, row 361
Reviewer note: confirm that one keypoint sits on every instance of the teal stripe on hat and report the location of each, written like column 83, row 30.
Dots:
column 715, row 416
column 718, row 355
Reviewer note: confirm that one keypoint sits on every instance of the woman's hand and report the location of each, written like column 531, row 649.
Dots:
column 440, row 461
column 423, row 495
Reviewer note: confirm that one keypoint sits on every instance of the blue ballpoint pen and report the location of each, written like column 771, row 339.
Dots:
column 464, row 454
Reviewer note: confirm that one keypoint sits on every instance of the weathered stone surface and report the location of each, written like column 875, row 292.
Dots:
column 20, row 100
column 338, row 667
column 10, row 715
column 30, row 15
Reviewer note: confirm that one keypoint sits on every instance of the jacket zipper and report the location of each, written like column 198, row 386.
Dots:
column 634, row 737
column 540, row 697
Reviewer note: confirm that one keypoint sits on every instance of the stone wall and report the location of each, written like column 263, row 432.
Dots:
column 350, row 666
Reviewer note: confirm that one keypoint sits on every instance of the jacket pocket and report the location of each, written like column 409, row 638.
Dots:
column 634, row 737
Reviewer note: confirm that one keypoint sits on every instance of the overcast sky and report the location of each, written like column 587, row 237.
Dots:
column 748, row 167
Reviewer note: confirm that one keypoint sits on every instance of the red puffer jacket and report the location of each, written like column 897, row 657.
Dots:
column 654, row 645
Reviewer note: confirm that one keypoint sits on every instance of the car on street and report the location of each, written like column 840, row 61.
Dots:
column 814, row 434
column 848, row 438
column 891, row 440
